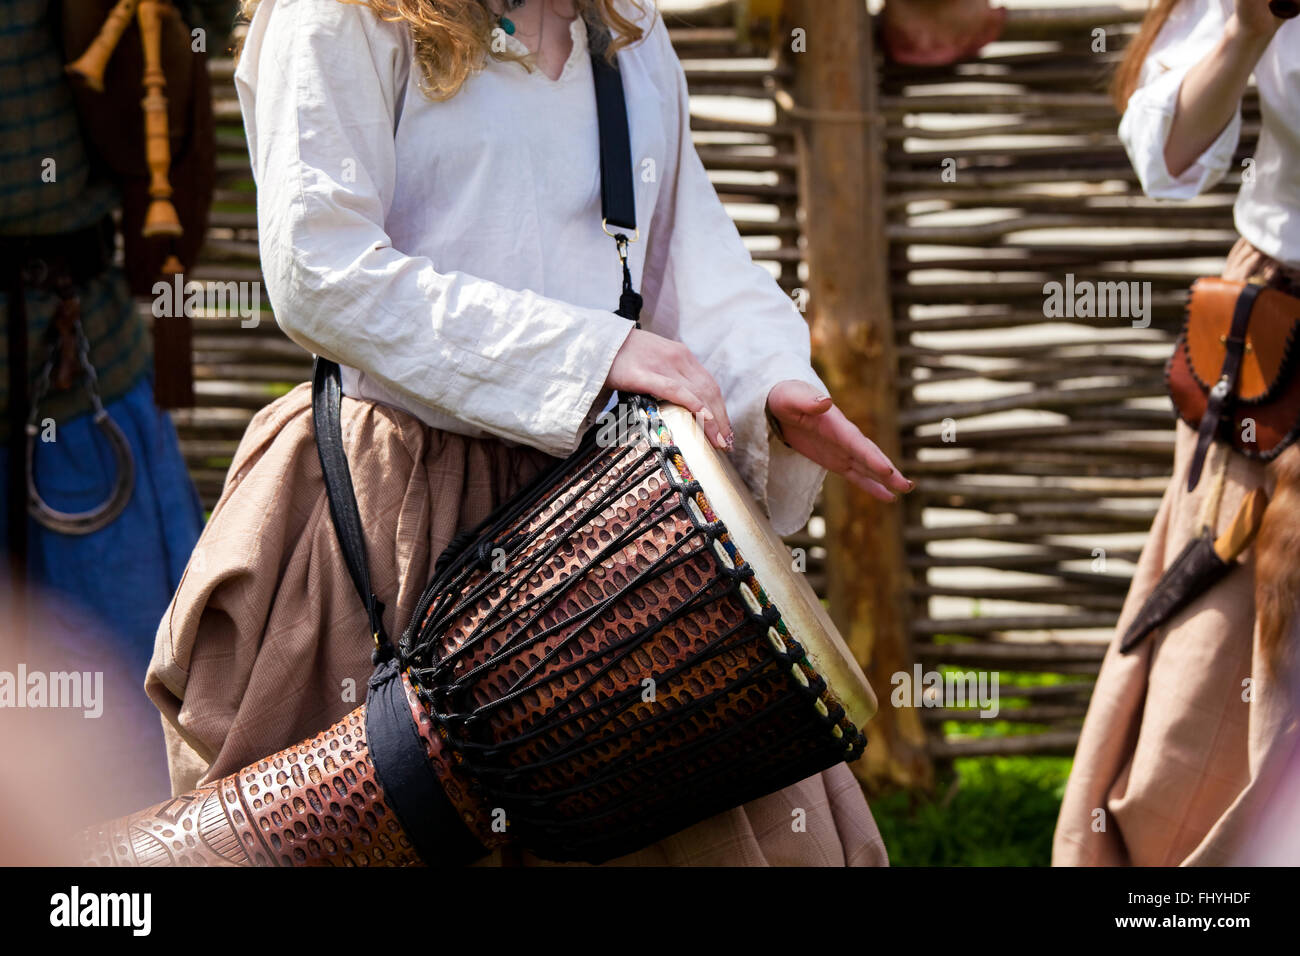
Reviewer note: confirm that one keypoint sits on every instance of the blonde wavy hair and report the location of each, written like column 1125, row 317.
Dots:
column 453, row 38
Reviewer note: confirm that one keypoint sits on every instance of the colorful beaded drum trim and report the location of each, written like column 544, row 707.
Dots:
column 782, row 641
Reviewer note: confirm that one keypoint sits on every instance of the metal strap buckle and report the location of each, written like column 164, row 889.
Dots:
column 636, row 233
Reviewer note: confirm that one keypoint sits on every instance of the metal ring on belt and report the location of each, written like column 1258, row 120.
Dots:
column 80, row 522
column 85, row 522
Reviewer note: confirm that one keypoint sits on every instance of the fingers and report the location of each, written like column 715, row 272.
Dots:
column 866, row 458
column 871, row 460
column 678, row 392
column 703, row 385
column 869, row 485
column 836, row 460
column 667, row 369
column 839, row 446
column 844, row 448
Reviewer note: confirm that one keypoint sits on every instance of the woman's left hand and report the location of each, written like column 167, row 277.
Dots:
column 819, row 431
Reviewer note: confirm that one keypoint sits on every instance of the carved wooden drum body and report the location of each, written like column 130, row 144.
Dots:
column 621, row 651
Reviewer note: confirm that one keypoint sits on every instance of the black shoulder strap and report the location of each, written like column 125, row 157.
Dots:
column 617, row 196
column 326, row 412
column 618, row 208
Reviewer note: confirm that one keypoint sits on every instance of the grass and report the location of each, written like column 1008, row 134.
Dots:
column 988, row 811
column 985, row 811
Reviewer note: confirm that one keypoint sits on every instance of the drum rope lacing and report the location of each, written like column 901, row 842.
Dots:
column 442, row 688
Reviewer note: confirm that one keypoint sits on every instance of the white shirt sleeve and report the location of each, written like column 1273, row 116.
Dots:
column 1190, row 34
column 702, row 288
column 321, row 85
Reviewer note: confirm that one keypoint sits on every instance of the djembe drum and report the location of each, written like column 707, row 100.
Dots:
column 620, row 651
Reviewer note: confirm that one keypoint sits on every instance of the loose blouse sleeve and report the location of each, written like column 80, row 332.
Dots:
column 321, row 85
column 702, row 288
column 1190, row 34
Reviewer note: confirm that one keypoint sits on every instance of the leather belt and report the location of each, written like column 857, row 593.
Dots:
column 84, row 253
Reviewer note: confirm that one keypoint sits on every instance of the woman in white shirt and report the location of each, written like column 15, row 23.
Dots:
column 429, row 217
column 1184, row 737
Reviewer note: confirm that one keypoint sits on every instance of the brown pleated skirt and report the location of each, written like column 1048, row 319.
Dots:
column 1185, row 738
column 266, row 641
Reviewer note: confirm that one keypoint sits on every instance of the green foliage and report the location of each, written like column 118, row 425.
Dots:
column 991, row 811
column 986, row 811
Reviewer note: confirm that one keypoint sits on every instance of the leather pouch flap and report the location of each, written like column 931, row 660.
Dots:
column 1269, row 337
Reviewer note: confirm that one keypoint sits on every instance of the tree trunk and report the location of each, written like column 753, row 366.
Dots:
column 828, row 44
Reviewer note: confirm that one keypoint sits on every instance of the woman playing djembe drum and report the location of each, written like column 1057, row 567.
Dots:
column 428, row 207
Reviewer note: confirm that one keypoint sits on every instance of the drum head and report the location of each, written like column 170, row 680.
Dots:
column 759, row 545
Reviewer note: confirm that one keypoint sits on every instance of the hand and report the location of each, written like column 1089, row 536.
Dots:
column 666, row 369
column 819, row 431
column 1255, row 18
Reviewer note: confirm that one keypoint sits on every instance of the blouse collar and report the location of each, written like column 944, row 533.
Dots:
column 578, row 33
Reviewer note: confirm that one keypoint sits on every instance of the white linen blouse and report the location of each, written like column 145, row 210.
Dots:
column 449, row 255
column 1267, row 210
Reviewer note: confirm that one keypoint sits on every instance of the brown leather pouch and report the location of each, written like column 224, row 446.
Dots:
column 1232, row 375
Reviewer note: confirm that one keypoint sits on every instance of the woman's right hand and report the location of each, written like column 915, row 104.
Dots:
column 666, row 369
column 1256, row 18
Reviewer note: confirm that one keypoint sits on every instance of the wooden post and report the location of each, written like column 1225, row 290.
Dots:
column 841, row 168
